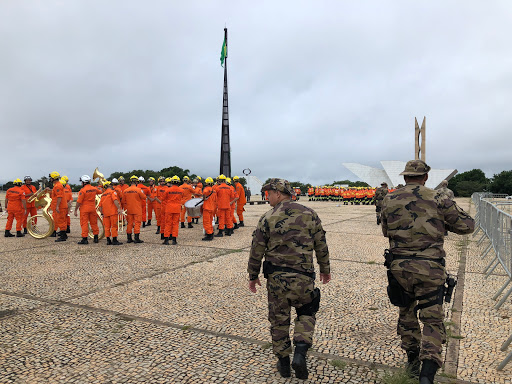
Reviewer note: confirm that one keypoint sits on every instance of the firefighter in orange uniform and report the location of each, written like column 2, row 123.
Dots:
column 241, row 200
column 29, row 190
column 16, row 206
column 146, row 192
column 151, row 200
column 69, row 197
column 173, row 202
column 118, row 189
column 198, row 192
column 110, row 208
column 86, row 202
column 188, row 191
column 132, row 202
column 233, row 205
column 59, row 207
column 210, row 202
column 157, row 204
column 225, row 197
column 122, row 183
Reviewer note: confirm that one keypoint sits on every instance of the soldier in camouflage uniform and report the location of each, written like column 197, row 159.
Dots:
column 380, row 193
column 444, row 191
column 286, row 236
column 414, row 219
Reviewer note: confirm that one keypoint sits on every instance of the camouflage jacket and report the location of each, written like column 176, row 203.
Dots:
column 445, row 193
column 287, row 235
column 415, row 218
column 380, row 194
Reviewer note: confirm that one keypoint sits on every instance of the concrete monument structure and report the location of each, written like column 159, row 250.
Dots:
column 391, row 169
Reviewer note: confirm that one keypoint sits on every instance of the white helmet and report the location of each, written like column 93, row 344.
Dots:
column 115, row 181
column 85, row 179
column 141, row 178
column 27, row 178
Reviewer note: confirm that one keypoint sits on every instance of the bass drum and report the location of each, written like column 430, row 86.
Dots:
column 101, row 234
column 193, row 207
column 40, row 227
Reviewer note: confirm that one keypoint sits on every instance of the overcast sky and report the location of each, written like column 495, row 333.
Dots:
column 124, row 85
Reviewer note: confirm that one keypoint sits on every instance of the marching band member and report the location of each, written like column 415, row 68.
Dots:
column 225, row 197
column 59, row 207
column 188, row 191
column 132, row 202
column 198, row 192
column 122, row 184
column 157, row 203
column 16, row 206
column 210, row 202
column 29, row 190
column 233, row 205
column 86, row 202
column 110, row 208
column 69, row 197
column 173, row 201
column 240, row 202
column 143, row 203
column 151, row 199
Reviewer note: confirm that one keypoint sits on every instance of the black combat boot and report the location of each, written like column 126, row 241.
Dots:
column 229, row 231
column 8, row 234
column 413, row 363
column 96, row 239
column 62, row 236
column 241, row 224
column 220, row 234
column 174, row 242
column 166, row 241
column 208, row 237
column 428, row 371
column 299, row 361
column 129, row 238
column 54, row 234
column 115, row 242
column 182, row 225
column 68, row 229
column 162, row 236
column 149, row 223
column 137, row 239
column 235, row 225
column 157, row 230
column 19, row 234
column 83, row 241
column 109, row 242
column 190, row 225
column 378, row 220
column 143, row 224
column 283, row 366
column 25, row 231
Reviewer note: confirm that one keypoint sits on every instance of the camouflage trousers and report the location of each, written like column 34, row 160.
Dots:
column 287, row 290
column 434, row 333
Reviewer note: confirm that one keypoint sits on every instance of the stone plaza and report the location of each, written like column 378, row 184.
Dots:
column 148, row 313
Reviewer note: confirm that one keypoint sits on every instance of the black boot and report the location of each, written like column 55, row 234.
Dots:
column 8, row 234
column 54, row 234
column 96, row 239
column 109, row 242
column 143, row 224
column 149, row 223
column 241, row 224
column 182, row 225
column 174, row 242
column 190, row 225
column 283, row 366
column 162, row 236
column 428, row 371
column 299, row 361
column 378, row 220
column 62, row 236
column 19, row 234
column 137, row 239
column 157, row 230
column 220, row 234
column 83, row 241
column 208, row 237
column 235, row 225
column 129, row 238
column 413, row 363
column 229, row 231
column 166, row 241
column 25, row 231
column 68, row 229
column 115, row 242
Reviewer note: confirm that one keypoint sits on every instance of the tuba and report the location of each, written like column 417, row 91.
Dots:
column 98, row 175
column 42, row 200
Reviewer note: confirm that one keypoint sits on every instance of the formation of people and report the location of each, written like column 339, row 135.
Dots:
column 118, row 203
column 348, row 195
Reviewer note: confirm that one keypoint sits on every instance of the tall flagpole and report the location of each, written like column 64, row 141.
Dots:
column 225, row 149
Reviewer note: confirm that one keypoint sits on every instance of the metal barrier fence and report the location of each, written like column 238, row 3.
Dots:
column 494, row 219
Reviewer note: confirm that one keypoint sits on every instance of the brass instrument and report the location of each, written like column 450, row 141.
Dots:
column 121, row 220
column 42, row 200
column 98, row 175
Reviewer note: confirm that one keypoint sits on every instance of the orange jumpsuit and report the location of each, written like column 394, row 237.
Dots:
column 143, row 203
column 188, row 191
column 132, row 202
column 119, row 192
column 152, row 204
column 173, row 200
column 241, row 201
column 109, row 210
column 198, row 192
column 123, row 187
column 233, row 206
column 160, row 207
column 14, row 197
column 88, row 214
column 59, row 217
column 215, row 187
column 209, row 206
column 31, row 207
column 224, row 196
column 69, row 197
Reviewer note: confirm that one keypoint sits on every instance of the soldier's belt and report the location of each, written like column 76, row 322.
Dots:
column 269, row 268
column 390, row 257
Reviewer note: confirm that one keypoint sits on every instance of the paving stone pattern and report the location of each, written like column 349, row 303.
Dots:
column 183, row 314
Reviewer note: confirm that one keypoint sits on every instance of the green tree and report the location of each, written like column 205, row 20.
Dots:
column 502, row 183
column 466, row 183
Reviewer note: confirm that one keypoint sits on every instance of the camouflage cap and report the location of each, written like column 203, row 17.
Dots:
column 280, row 185
column 384, row 183
column 415, row 168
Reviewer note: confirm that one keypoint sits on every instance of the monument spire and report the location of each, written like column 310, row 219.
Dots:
column 225, row 149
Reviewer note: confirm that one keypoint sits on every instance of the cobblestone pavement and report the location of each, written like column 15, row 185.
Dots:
column 183, row 314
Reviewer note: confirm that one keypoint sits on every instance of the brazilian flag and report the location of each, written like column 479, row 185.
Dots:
column 223, row 52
